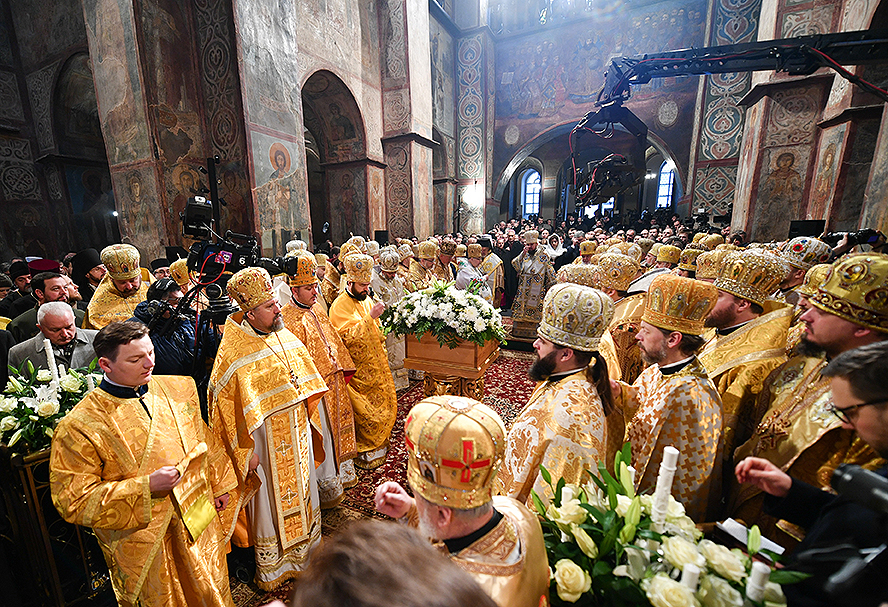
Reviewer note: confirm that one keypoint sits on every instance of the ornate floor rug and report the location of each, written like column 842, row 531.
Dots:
column 506, row 390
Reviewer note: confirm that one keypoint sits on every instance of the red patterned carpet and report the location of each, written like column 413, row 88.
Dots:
column 506, row 390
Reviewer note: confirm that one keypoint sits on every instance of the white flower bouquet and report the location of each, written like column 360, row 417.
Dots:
column 446, row 312
column 33, row 403
column 605, row 549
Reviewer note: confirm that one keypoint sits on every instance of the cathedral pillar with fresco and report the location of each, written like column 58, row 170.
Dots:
column 407, row 118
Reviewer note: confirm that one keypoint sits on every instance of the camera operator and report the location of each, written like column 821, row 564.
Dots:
column 174, row 350
column 836, row 526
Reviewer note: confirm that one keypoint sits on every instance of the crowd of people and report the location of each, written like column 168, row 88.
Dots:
column 759, row 362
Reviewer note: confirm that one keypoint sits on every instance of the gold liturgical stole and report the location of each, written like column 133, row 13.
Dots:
column 191, row 495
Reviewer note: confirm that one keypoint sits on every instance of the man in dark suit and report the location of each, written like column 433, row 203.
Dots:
column 71, row 346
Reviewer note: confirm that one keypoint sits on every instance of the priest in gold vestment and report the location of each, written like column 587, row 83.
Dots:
column 355, row 316
column 569, row 423
column 492, row 267
column 305, row 318
column 420, row 275
column 443, row 269
column 454, row 449
column 674, row 401
column 389, row 288
column 798, row 433
column 535, row 276
column 127, row 460
column 121, row 289
column 263, row 395
column 748, row 343
column 615, row 273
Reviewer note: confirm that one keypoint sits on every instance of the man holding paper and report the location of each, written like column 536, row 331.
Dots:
column 135, row 462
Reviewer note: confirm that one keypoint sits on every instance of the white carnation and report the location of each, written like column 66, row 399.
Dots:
column 480, row 325
column 716, row 592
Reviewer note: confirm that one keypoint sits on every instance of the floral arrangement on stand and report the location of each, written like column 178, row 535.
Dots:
column 34, row 401
column 608, row 546
column 446, row 312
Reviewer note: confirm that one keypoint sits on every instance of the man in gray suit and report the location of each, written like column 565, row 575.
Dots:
column 72, row 346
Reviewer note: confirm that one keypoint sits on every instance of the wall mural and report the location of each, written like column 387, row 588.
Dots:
column 347, row 189
column 443, row 92
column 780, row 193
column 341, row 130
column 824, row 187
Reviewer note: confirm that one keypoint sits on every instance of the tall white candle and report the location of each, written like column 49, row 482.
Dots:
column 664, row 485
column 90, row 382
column 632, row 474
column 50, row 360
column 690, row 575
column 755, row 585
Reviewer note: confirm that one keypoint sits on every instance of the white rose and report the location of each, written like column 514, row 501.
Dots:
column 723, row 561
column 680, row 552
column 586, row 543
column 44, row 375
column 774, row 594
column 569, row 513
column 663, row 591
column 7, row 404
column 47, row 408
column 69, row 383
column 571, row 581
column 8, row 423
column 716, row 592
column 674, row 508
column 684, row 527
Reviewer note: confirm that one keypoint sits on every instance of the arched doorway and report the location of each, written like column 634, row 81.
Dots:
column 336, row 159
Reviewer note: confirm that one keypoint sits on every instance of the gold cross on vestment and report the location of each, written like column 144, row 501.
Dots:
column 284, row 448
column 289, row 496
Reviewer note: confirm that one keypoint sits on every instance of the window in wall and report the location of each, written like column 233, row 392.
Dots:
column 530, row 193
column 665, row 185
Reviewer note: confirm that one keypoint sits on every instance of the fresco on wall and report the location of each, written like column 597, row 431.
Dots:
column 443, row 92
column 76, row 110
column 280, row 196
column 339, row 125
column 141, row 219
column 28, row 229
column 824, row 186
column 92, row 206
column 780, row 193
column 46, row 29
column 347, row 193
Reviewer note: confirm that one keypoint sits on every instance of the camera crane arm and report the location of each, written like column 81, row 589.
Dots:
column 802, row 55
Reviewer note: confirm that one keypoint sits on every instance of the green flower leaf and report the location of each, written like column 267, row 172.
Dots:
column 785, row 576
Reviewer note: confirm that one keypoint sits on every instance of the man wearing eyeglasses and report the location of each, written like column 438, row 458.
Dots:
column 797, row 433
column 860, row 404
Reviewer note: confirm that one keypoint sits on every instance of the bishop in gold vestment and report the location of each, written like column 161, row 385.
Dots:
column 110, row 304
column 102, row 454
column 330, row 283
column 263, row 393
column 535, row 276
column 492, row 267
column 389, row 288
column 371, row 389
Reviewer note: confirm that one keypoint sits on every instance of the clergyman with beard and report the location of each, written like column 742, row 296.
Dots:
column 674, row 400
column 262, row 392
column 748, row 343
column 565, row 425
column 797, row 433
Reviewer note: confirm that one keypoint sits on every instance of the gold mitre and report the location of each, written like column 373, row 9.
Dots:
column 588, row 247
column 358, row 268
column 712, row 240
column 579, row 274
column 575, row 316
column 250, row 287
column 121, row 261
column 295, row 245
column 405, row 251
column 428, row 249
column 752, row 275
column 688, row 259
column 709, row 263
column 699, row 236
column 455, row 446
column 462, row 250
column 646, row 244
column 675, row 303
column 620, row 247
column 448, row 247
column 321, row 259
column 531, row 237
column 306, row 265
column 805, row 251
column 348, row 248
column 359, row 242
column 616, row 271
column 612, row 241
column 856, row 289
column 179, row 272
column 473, row 251
column 389, row 260
column 602, row 248
column 655, row 248
column 371, row 248
column 813, row 279
column 669, row 254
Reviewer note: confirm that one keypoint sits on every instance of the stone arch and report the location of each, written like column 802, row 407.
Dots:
column 336, row 158
column 81, row 159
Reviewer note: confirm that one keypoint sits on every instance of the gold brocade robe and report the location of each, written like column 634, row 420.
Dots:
column 799, row 435
column 418, row 277
column 335, row 365
column 330, row 284
column 623, row 329
column 563, row 428
column 492, row 267
column 102, row 454
column 403, row 271
column 442, row 272
column 371, row 389
column 254, row 407
column 681, row 410
column 108, row 305
column 535, row 276
column 509, row 562
column 738, row 364
column 608, row 350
